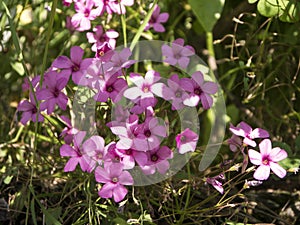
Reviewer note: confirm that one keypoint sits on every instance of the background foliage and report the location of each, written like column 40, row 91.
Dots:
column 256, row 51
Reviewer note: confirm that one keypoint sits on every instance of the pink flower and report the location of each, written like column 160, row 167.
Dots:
column 200, row 91
column 76, row 153
column 93, row 151
column 75, row 66
column 216, row 182
column 99, row 37
column 69, row 131
column 85, row 12
column 114, row 6
column 67, row 2
column 186, row 141
column 52, row 93
column 244, row 130
column 156, row 20
column 145, row 88
column 34, row 82
column 29, row 110
column 267, row 160
column 114, row 179
column 157, row 159
column 150, row 134
column 234, row 143
column 175, row 91
column 178, row 54
column 119, row 61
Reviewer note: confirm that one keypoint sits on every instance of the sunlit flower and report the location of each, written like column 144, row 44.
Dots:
column 267, row 160
column 186, row 141
column 157, row 19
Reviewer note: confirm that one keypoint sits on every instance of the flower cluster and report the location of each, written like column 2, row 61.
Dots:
column 139, row 132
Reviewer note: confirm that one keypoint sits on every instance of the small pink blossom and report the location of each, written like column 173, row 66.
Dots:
column 75, row 65
column 145, row 88
column 75, row 153
column 114, row 178
column 216, row 182
column 186, row 141
column 69, row 131
column 245, row 131
column 200, row 91
column 178, row 54
column 234, row 142
column 157, row 19
column 113, row 6
column 267, row 160
column 85, row 12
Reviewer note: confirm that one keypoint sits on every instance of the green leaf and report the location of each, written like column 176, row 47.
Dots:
column 8, row 179
column 18, row 67
column 291, row 11
column 268, row 8
column 252, row 1
column 207, row 12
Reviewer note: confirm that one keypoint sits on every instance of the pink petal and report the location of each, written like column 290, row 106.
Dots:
column 198, row 77
column 244, row 126
column 192, row 101
column 78, row 138
column 158, row 27
column 133, row 93
column 183, row 62
column 119, row 193
column 278, row 170
column 137, row 79
column 162, row 166
column 262, row 172
column 259, row 133
column 67, row 150
column 107, row 190
column 152, row 77
column 158, row 89
column 62, row 62
column 101, row 175
column 124, row 143
column 210, row 87
column 265, row 147
column 206, row 101
column 249, row 142
column 71, row 164
column 76, row 54
column 125, row 178
column 255, row 157
column 277, row 154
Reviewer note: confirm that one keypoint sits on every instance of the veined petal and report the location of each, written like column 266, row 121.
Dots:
column 71, row 164
column 259, row 133
column 255, row 157
column 62, row 62
column 265, row 147
column 133, row 93
column 277, row 169
column 262, row 172
column 67, row 150
column 125, row 178
column 76, row 54
column 119, row 193
column 277, row 154
column 107, row 190
column 101, row 175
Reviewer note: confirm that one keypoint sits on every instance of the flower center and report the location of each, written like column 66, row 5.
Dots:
column 100, row 53
column 109, row 89
column 182, row 138
column 115, row 180
column 265, row 161
column 147, row 133
column 178, row 94
column 99, row 155
column 146, row 89
column 198, row 91
column 75, row 68
column 154, row 158
column 128, row 152
column 86, row 12
column 34, row 110
column 56, row 92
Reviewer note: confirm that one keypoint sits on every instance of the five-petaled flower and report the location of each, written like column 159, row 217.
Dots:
column 245, row 131
column 186, row 141
column 114, row 178
column 267, row 160
column 156, row 19
column 199, row 91
column 178, row 54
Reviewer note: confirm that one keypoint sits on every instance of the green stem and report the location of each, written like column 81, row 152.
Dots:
column 210, row 44
column 142, row 27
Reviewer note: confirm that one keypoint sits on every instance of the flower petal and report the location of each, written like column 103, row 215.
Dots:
column 277, row 154
column 277, row 169
column 255, row 157
column 262, row 172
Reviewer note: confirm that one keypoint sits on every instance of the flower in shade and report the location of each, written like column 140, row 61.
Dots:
column 114, row 178
column 200, row 91
column 99, row 37
column 76, row 153
column 175, row 91
column 178, row 54
column 216, row 182
column 69, row 131
column 245, row 131
column 52, row 93
column 75, row 65
column 186, row 141
column 234, row 142
column 150, row 134
column 145, row 88
column 267, row 160
column 157, row 19
column 85, row 12
column 119, row 60
column 34, row 82
column 157, row 159
column 93, row 150
column 29, row 110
